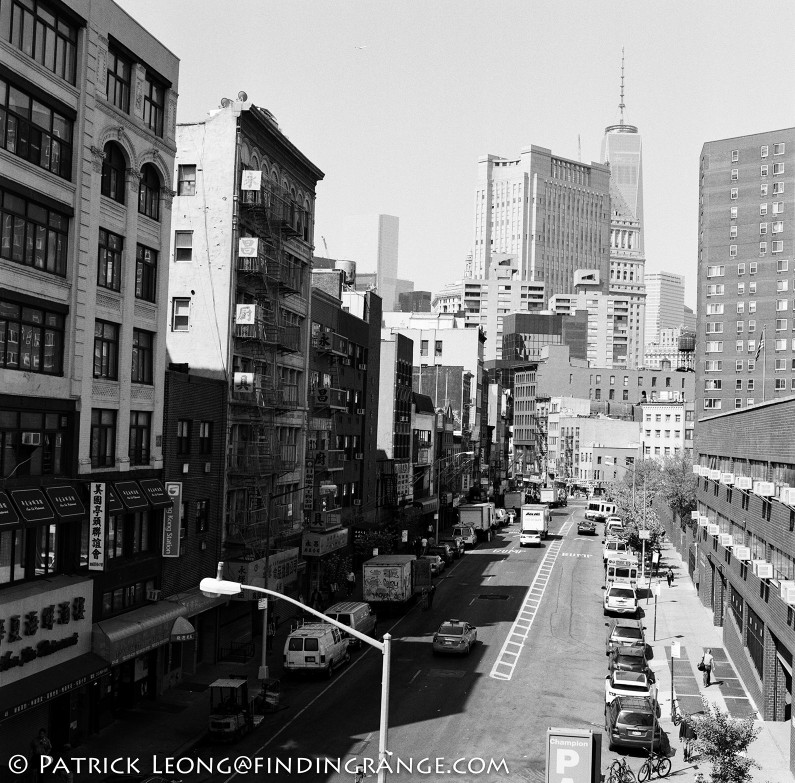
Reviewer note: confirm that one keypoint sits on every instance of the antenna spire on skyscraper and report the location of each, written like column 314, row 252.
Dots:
column 622, row 105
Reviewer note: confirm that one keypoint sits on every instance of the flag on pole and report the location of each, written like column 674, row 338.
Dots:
column 759, row 349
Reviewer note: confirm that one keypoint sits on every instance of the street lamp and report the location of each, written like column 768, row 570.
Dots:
column 215, row 588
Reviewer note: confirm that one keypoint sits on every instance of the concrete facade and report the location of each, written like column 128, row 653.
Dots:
column 665, row 303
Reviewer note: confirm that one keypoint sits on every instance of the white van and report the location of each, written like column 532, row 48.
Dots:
column 467, row 533
column 614, row 526
column 621, row 571
column 599, row 510
column 315, row 647
column 356, row 614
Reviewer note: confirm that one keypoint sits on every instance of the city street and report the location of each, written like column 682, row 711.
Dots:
column 488, row 706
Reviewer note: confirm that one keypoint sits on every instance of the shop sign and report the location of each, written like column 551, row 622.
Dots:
column 96, row 549
column 282, row 569
column 172, row 519
column 319, row 544
column 309, row 489
column 33, row 628
column 247, row 247
column 321, row 425
column 573, row 755
column 245, row 314
column 250, row 179
column 243, row 382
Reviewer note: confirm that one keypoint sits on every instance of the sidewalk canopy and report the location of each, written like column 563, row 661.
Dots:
column 65, row 501
column 8, row 514
column 131, row 495
column 32, row 506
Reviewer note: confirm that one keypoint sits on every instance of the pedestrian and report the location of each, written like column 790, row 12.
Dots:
column 316, row 600
column 670, row 576
column 41, row 747
column 333, row 589
column 707, row 662
column 424, row 545
column 351, row 582
column 271, row 632
column 687, row 734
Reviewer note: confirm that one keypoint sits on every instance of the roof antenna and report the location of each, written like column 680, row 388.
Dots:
column 622, row 105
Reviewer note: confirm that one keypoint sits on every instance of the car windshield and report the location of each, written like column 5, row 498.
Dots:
column 451, row 630
column 627, row 632
column 621, row 592
column 632, row 718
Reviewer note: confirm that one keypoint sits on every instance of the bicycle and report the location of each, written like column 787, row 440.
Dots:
column 658, row 764
column 676, row 715
column 620, row 772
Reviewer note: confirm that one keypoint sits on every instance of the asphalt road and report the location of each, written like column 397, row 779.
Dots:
column 539, row 662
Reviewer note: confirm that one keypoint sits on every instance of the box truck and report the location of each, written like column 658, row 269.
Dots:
column 514, row 500
column 480, row 516
column 534, row 524
column 393, row 580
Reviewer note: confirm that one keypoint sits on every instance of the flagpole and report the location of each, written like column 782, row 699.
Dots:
column 764, row 360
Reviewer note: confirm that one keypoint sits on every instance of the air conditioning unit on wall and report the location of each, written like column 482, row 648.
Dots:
column 31, row 439
column 742, row 552
column 763, row 569
column 764, row 489
column 743, row 482
column 727, row 478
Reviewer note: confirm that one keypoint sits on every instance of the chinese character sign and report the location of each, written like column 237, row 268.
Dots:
column 250, row 179
column 245, row 314
column 96, row 539
column 247, row 247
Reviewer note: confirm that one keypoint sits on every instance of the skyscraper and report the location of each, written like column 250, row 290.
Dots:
column 665, row 303
column 553, row 214
column 372, row 242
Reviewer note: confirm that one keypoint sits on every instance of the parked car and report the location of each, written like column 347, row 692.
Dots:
column 467, row 533
column 625, row 633
column 629, row 723
column 318, row 647
column 444, row 551
column 454, row 636
column 587, row 526
column 630, row 659
column 619, row 683
column 437, row 564
column 456, row 544
column 356, row 614
column 621, row 599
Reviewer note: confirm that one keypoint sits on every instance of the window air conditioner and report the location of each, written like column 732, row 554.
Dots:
column 357, row 502
column 31, row 439
column 742, row 552
column 154, row 595
column 763, row 569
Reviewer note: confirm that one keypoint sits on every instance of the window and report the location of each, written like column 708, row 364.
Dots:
column 183, row 436
column 713, row 347
column 186, row 180
column 777, row 227
column 740, row 326
column 423, row 347
column 782, row 305
column 205, row 437
column 733, row 193
column 715, row 309
column 763, row 228
column 735, row 156
column 109, row 265
column 781, row 286
column 118, row 80
column 735, row 173
column 778, row 187
column 778, row 207
column 763, row 189
column 752, row 326
column 31, row 339
column 781, row 365
column 149, row 192
column 738, row 346
column 715, row 328
column 713, row 385
column 777, row 246
column 183, row 246
column 142, row 356
column 763, row 151
column 715, row 271
column 106, row 350
column 625, row 395
column 715, row 290
column 779, row 149
column 202, row 515
column 712, row 403
column 180, row 314
column 763, row 170
column 46, row 35
column 114, row 168
column 754, row 640
column 740, row 289
column 782, row 265
column 740, row 269
column 752, row 265
column 778, row 168
column 438, row 348
column 145, row 273
column 154, row 103
column 762, row 248
column 713, row 365
column 103, row 438
column 31, row 130
column 733, row 213
column 140, row 435
column 733, row 232
column 33, row 235
column 750, row 384
column 762, row 210
column 780, row 345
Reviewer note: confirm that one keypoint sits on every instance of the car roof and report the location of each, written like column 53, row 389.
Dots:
column 629, row 677
column 637, row 703
column 346, row 606
column 630, row 652
column 625, row 622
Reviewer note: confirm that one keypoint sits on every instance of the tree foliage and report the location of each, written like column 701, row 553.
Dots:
column 679, row 484
column 634, row 495
column 723, row 741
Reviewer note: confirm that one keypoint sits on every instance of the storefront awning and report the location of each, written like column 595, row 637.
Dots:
column 32, row 506
column 137, row 632
column 8, row 514
column 51, row 683
column 132, row 496
column 113, row 504
column 427, row 505
column 156, row 493
column 65, row 502
column 182, row 630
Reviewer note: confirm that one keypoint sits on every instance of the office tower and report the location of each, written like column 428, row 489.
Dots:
column 89, row 104
column 744, row 344
column 665, row 303
column 551, row 213
column 372, row 242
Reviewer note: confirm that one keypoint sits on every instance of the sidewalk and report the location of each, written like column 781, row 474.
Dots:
column 682, row 617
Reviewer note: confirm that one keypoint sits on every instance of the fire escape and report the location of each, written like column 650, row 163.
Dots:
column 266, row 274
column 542, row 423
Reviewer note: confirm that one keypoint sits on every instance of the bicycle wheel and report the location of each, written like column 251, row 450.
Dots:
column 664, row 767
column 629, row 776
column 676, row 717
column 644, row 773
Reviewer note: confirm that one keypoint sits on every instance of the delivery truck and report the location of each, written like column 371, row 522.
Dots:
column 394, row 580
column 553, row 497
column 514, row 500
column 480, row 516
column 534, row 524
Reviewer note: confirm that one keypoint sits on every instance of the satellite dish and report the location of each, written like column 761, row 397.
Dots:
column 241, row 96
column 225, row 102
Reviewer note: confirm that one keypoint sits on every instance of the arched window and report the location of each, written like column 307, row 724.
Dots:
column 149, row 192
column 114, row 167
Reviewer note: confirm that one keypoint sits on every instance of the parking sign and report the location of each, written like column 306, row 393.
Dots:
column 573, row 756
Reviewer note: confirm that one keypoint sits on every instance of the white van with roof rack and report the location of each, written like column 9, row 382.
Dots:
column 318, row 647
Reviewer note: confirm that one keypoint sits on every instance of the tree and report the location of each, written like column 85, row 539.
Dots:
column 723, row 741
column 679, row 484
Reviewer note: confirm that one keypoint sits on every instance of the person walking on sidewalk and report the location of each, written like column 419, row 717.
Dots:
column 670, row 576
column 707, row 662
column 351, row 582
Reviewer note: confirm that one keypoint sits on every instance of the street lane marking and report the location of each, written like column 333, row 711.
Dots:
column 507, row 659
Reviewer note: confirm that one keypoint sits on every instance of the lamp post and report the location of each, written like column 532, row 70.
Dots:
column 218, row 586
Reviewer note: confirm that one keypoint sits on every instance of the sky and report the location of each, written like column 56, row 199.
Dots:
column 395, row 101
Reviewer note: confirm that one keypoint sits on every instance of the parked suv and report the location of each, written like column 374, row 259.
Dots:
column 456, row 543
column 444, row 551
column 629, row 659
column 629, row 722
column 625, row 633
column 621, row 598
column 356, row 614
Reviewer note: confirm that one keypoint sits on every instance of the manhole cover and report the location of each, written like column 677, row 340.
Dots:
column 493, row 597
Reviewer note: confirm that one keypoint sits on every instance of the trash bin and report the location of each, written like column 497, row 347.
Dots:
column 272, row 693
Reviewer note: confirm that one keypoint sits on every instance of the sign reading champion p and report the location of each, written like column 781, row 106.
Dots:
column 573, row 756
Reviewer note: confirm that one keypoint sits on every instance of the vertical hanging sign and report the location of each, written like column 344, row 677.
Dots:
column 96, row 542
column 172, row 519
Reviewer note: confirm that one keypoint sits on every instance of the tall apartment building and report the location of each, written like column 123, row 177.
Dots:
column 553, row 214
column 372, row 242
column 239, row 291
column 665, row 303
column 745, row 300
column 87, row 145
